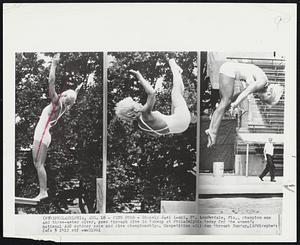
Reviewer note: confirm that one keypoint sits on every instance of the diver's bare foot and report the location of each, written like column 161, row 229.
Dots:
column 174, row 65
column 56, row 58
column 211, row 138
column 41, row 196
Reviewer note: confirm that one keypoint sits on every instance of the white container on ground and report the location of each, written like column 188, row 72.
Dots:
column 218, row 169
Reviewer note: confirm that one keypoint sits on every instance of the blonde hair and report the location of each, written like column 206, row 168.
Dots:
column 276, row 93
column 71, row 94
column 123, row 107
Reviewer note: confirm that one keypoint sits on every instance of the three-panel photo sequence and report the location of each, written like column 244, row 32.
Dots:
column 172, row 132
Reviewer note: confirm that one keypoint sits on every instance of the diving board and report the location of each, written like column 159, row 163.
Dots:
column 26, row 201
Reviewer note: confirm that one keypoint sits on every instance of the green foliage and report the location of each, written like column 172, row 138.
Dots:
column 205, row 88
column 74, row 159
column 142, row 167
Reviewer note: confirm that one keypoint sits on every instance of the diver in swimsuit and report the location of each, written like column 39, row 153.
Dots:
column 256, row 82
column 60, row 103
column 154, row 122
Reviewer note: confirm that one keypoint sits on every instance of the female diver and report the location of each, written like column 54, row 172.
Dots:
column 154, row 122
column 60, row 103
column 256, row 81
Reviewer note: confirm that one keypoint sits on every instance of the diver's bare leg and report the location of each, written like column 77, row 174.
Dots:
column 226, row 88
column 178, row 86
column 39, row 157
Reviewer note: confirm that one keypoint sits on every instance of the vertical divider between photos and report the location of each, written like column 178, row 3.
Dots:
column 104, row 162
column 198, row 129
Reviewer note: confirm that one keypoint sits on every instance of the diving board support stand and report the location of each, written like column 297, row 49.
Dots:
column 100, row 195
column 26, row 201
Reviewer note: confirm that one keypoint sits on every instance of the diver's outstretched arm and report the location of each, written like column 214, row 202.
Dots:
column 148, row 89
column 253, row 87
column 52, row 93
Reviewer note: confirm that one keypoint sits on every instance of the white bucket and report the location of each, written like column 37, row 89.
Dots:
column 218, row 169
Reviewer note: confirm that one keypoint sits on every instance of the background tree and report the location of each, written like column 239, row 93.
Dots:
column 74, row 159
column 141, row 167
column 206, row 89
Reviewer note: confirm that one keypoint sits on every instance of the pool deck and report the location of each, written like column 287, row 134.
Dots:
column 232, row 184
